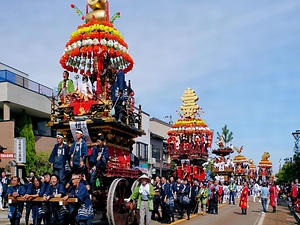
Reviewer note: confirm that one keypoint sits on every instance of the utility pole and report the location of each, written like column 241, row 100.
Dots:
column 279, row 164
column 170, row 121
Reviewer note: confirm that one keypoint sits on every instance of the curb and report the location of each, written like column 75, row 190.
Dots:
column 295, row 214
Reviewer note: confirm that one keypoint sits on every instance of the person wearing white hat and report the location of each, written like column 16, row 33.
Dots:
column 79, row 153
column 144, row 192
column 59, row 157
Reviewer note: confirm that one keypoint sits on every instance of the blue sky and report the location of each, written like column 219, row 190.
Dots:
column 241, row 58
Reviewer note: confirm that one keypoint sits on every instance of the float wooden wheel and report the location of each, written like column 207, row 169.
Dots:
column 117, row 213
column 134, row 185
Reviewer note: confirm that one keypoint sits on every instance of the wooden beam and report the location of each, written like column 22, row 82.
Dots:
column 41, row 199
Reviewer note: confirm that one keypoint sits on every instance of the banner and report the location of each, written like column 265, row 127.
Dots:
column 85, row 132
column 20, row 149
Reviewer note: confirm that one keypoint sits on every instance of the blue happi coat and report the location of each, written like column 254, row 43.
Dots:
column 54, row 207
column 15, row 209
column 31, row 190
column 84, row 209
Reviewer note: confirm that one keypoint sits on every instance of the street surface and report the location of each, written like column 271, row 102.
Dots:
column 228, row 215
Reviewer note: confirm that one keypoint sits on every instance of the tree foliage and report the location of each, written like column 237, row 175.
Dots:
column 290, row 170
column 42, row 163
column 26, row 131
column 227, row 134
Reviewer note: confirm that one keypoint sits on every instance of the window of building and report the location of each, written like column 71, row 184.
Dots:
column 142, row 150
column 156, row 153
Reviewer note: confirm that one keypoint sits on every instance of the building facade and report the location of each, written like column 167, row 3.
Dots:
column 17, row 94
column 160, row 160
column 141, row 148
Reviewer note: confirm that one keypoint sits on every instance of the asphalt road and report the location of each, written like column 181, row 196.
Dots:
column 228, row 215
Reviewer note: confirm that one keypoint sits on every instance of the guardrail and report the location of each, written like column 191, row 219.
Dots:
column 7, row 76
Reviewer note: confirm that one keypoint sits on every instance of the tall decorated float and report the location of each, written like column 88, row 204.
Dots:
column 265, row 167
column 241, row 165
column 252, row 171
column 189, row 139
column 101, row 104
column 223, row 164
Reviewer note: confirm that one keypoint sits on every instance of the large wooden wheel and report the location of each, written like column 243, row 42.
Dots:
column 134, row 185
column 117, row 213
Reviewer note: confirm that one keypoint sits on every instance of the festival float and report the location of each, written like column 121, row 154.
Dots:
column 94, row 50
column 252, row 170
column 223, row 164
column 265, row 167
column 189, row 139
column 240, row 164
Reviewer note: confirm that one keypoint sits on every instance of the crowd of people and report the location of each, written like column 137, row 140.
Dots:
column 179, row 197
column 160, row 199
column 73, row 177
column 49, row 212
column 68, row 179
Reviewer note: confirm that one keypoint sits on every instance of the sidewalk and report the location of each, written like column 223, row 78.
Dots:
column 5, row 221
column 282, row 216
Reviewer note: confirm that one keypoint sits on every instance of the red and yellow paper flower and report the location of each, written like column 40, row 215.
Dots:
column 94, row 39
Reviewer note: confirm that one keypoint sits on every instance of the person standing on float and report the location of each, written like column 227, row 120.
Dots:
column 79, row 153
column 59, row 157
column 65, row 87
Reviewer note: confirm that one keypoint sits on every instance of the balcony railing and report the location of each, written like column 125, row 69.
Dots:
column 7, row 76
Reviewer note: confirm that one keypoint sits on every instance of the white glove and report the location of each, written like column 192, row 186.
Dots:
column 127, row 199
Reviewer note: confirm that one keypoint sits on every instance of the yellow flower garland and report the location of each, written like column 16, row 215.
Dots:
column 97, row 27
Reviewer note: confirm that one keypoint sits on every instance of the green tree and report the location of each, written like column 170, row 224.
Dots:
column 227, row 135
column 296, row 165
column 286, row 173
column 42, row 162
column 290, row 170
column 208, row 167
column 26, row 131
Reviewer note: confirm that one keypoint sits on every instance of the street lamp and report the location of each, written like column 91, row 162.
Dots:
column 296, row 135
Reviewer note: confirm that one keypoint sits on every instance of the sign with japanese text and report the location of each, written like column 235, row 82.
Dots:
column 85, row 132
column 6, row 155
column 20, row 150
